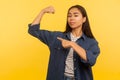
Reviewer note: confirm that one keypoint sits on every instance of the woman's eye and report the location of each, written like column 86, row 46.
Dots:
column 76, row 15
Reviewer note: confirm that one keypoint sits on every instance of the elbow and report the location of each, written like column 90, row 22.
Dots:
column 92, row 57
column 29, row 31
column 92, row 62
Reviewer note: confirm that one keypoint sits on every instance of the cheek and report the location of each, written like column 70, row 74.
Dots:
column 78, row 18
column 68, row 19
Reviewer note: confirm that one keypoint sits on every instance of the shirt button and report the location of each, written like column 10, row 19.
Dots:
column 58, row 48
column 74, row 59
column 75, row 68
column 75, row 77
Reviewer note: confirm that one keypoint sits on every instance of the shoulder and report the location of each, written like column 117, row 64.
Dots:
column 90, row 40
column 58, row 33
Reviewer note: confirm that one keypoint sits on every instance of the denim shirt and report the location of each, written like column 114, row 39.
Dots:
column 58, row 54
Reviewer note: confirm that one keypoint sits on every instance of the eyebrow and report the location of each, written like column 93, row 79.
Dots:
column 73, row 13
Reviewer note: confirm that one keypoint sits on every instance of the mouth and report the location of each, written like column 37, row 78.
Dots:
column 71, row 23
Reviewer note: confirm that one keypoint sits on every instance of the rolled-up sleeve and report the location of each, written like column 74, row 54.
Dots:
column 43, row 35
column 92, row 53
column 33, row 30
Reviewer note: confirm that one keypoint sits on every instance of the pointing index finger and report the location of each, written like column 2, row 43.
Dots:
column 59, row 38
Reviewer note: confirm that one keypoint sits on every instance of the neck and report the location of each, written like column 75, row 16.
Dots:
column 77, row 32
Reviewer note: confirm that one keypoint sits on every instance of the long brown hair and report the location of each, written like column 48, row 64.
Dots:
column 85, row 27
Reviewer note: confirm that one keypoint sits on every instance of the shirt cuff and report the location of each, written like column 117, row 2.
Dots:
column 34, row 27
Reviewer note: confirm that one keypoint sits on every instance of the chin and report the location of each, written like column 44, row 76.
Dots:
column 74, row 27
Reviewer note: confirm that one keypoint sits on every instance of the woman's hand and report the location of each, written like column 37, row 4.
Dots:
column 65, row 43
column 77, row 48
column 49, row 9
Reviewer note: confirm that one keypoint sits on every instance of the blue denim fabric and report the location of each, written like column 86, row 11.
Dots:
column 68, row 78
column 58, row 54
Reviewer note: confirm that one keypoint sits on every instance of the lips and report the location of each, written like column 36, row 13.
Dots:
column 71, row 23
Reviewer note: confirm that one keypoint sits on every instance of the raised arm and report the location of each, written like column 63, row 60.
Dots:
column 34, row 27
column 38, row 18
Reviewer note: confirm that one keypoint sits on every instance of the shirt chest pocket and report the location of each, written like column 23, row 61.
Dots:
column 59, row 49
column 59, row 55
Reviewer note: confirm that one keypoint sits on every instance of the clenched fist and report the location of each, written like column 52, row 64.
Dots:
column 49, row 9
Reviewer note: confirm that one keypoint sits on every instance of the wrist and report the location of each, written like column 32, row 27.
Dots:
column 72, row 44
column 42, row 12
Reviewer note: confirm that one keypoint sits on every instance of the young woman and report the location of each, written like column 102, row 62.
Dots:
column 72, row 52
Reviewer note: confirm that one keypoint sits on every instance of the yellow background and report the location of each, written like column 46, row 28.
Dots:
column 23, row 57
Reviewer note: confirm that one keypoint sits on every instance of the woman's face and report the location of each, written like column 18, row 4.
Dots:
column 75, row 18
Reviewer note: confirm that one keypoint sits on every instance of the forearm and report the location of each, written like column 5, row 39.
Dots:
column 37, row 20
column 79, row 50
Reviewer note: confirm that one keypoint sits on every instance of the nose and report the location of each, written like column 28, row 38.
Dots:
column 71, row 18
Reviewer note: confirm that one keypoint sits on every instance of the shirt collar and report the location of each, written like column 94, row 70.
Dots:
column 82, row 37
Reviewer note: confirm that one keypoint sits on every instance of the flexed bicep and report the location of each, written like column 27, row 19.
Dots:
column 38, row 18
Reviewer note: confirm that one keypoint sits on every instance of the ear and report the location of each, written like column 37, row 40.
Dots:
column 84, row 19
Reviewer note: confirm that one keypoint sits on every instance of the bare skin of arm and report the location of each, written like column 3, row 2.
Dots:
column 38, row 18
column 80, row 51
